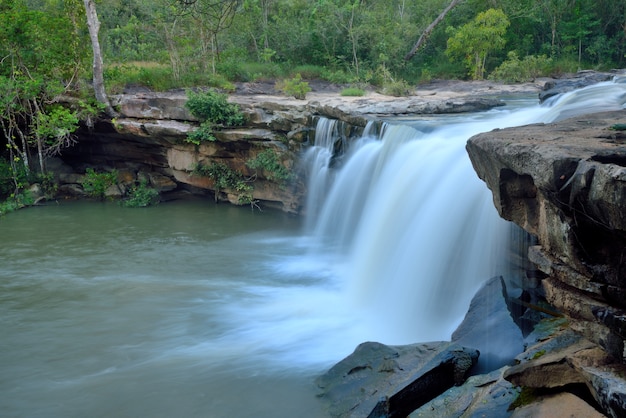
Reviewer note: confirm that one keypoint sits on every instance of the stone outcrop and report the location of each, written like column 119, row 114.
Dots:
column 565, row 183
column 392, row 381
column 147, row 140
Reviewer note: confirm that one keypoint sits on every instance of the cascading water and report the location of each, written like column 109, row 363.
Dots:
column 416, row 228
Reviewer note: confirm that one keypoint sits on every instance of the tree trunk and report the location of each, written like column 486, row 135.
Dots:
column 98, row 73
column 429, row 30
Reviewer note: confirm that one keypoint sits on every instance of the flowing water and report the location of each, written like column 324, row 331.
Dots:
column 192, row 309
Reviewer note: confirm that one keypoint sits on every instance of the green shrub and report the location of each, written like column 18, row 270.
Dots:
column 213, row 109
column 295, row 87
column 514, row 70
column 15, row 202
column 397, row 88
column 352, row 91
column 96, row 184
column 212, row 106
column 225, row 178
column 268, row 162
column 141, row 195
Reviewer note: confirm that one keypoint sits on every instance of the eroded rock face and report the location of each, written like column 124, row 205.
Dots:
column 565, row 183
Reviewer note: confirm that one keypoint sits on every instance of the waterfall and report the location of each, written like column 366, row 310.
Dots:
column 416, row 227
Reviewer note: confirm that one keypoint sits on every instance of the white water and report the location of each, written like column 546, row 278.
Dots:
column 416, row 230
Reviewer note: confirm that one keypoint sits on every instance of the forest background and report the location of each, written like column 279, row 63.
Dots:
column 46, row 53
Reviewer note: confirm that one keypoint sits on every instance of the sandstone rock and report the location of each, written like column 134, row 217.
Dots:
column 154, row 105
column 391, row 381
column 567, row 358
column 566, row 184
column 562, row 405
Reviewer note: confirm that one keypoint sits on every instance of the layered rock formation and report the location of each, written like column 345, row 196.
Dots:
column 565, row 183
column 147, row 141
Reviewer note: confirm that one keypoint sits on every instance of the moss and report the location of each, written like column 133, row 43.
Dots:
column 526, row 396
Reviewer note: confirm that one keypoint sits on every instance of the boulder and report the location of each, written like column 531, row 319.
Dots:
column 377, row 380
column 486, row 395
column 581, row 79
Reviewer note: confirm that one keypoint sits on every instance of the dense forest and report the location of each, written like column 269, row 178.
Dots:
column 46, row 52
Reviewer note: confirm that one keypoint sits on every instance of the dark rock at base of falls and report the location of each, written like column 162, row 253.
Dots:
column 489, row 328
column 378, row 380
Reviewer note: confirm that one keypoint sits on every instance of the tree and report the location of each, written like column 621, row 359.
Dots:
column 40, row 58
column 474, row 41
column 98, row 67
column 424, row 37
column 212, row 18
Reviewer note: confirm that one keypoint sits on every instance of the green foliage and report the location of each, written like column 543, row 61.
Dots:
column 295, row 87
column 213, row 110
column 514, row 70
column 141, row 195
column 474, row 41
column 56, row 126
column 225, row 178
column 96, row 184
column 526, row 396
column 268, row 162
column 15, row 202
column 397, row 88
column 212, row 106
column 352, row 91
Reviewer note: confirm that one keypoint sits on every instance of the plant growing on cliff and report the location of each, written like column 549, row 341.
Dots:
column 213, row 110
column 295, row 87
column 225, row 178
column 96, row 184
column 268, row 162
column 141, row 195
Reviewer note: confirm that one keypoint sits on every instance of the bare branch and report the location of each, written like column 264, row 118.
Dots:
column 429, row 29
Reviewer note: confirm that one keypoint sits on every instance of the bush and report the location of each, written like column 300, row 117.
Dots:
column 295, row 87
column 15, row 202
column 213, row 109
column 514, row 70
column 268, row 162
column 225, row 178
column 396, row 88
column 96, row 184
column 352, row 91
column 141, row 195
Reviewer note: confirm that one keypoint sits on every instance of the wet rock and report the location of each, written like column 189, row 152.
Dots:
column 581, row 79
column 392, row 381
column 486, row 395
column 489, row 328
